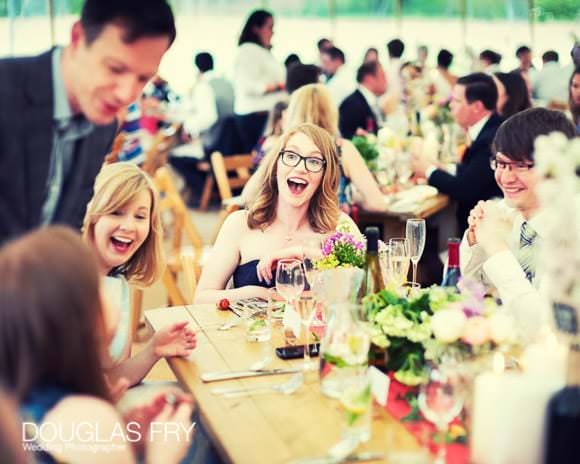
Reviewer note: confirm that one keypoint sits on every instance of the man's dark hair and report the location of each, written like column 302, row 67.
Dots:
column 550, row 55
column 491, row 56
column 366, row 69
column 323, row 44
column 300, row 74
column 444, row 58
column 518, row 97
column 523, row 49
column 334, row 53
column 138, row 18
column 480, row 86
column 396, row 47
column 256, row 19
column 292, row 60
column 204, row 62
column 515, row 137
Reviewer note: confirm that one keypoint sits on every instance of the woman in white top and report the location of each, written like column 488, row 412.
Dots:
column 259, row 78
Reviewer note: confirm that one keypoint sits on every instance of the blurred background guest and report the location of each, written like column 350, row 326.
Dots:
column 512, row 94
column 339, row 78
column 574, row 98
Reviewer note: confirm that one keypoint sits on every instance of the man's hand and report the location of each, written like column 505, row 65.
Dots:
column 493, row 229
column 475, row 217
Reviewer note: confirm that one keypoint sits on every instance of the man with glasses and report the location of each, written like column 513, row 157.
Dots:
column 500, row 246
column 473, row 108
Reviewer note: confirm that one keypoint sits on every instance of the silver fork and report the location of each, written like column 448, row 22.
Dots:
column 286, row 388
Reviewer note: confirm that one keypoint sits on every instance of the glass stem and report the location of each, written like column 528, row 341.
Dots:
column 415, row 271
column 442, row 451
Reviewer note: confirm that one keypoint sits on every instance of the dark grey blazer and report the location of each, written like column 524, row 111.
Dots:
column 26, row 132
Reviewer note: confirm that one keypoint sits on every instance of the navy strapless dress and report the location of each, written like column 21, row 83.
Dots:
column 245, row 274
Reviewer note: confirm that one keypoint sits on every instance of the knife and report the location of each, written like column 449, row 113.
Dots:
column 359, row 457
column 228, row 375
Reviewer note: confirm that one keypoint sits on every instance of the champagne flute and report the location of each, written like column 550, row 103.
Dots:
column 289, row 279
column 440, row 400
column 416, row 235
column 399, row 260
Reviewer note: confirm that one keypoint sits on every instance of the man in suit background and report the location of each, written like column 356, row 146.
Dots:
column 473, row 108
column 58, row 110
column 361, row 110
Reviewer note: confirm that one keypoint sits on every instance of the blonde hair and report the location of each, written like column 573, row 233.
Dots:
column 115, row 186
column 313, row 104
column 323, row 210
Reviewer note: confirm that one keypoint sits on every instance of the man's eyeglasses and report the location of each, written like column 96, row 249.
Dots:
column 520, row 167
column 311, row 163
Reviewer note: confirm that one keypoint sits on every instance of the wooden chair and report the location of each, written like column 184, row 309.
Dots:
column 188, row 263
column 158, row 153
column 118, row 142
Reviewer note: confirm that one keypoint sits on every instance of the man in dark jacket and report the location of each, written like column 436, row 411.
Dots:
column 473, row 108
column 361, row 110
column 58, row 110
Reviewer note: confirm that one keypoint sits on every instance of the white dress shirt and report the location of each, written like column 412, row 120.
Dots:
column 341, row 84
column 201, row 111
column 526, row 300
column 551, row 83
column 255, row 68
column 373, row 102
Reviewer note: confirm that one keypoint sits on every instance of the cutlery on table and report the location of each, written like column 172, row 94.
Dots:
column 229, row 375
column 286, row 388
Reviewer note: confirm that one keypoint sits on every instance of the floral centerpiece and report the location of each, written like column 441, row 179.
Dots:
column 434, row 324
column 367, row 147
column 439, row 113
column 341, row 249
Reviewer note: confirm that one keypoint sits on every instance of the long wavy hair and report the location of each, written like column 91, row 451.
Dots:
column 115, row 186
column 52, row 328
column 313, row 104
column 323, row 210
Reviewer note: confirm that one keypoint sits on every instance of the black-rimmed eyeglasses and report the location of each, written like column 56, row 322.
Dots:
column 520, row 167
column 311, row 163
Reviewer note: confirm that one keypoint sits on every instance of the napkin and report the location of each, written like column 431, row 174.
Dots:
column 408, row 200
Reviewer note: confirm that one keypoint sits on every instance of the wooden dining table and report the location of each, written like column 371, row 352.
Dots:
column 267, row 428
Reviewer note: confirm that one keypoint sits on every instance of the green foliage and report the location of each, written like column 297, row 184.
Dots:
column 367, row 150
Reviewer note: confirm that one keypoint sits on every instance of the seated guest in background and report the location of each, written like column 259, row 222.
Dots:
column 524, row 56
column 123, row 228
column 443, row 80
column 512, row 94
column 339, row 77
column 68, row 99
column 297, row 202
column 54, row 329
column 422, row 54
column 259, row 78
column 301, row 74
column 574, row 98
column 489, row 61
column 322, row 45
column 361, row 109
column 313, row 104
column 372, row 54
column 550, row 85
column 273, row 132
column 501, row 243
column 473, row 108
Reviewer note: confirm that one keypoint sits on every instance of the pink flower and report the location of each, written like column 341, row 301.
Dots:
column 477, row 331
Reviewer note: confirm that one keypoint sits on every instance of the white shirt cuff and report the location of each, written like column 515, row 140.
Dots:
column 430, row 170
column 506, row 274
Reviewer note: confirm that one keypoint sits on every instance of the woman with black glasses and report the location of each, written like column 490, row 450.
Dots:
column 297, row 203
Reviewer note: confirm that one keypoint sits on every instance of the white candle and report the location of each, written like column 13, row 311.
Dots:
column 508, row 417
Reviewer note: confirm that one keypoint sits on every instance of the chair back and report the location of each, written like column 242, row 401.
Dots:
column 158, row 153
column 230, row 172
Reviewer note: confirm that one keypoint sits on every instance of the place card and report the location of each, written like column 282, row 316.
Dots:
column 380, row 383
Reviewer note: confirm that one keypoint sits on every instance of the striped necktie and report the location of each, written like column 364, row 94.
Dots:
column 526, row 253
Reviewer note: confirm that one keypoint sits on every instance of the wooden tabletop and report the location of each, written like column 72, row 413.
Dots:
column 267, row 428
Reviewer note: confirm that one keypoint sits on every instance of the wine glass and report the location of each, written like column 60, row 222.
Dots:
column 399, row 258
column 440, row 400
column 416, row 235
column 312, row 247
column 289, row 279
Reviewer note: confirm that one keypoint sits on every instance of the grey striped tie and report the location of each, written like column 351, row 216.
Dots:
column 526, row 253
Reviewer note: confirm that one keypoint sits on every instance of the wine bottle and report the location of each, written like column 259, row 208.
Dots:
column 453, row 273
column 563, row 416
column 373, row 280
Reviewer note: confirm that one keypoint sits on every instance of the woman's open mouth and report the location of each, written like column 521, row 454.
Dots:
column 121, row 244
column 297, row 185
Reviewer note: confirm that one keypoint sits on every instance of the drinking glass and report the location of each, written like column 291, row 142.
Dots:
column 311, row 247
column 289, row 279
column 357, row 403
column 259, row 325
column 306, row 308
column 416, row 235
column 440, row 400
column 399, row 259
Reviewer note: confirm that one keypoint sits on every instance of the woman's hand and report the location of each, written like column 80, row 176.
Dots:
column 268, row 263
column 174, row 340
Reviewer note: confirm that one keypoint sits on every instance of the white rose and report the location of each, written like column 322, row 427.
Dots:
column 447, row 324
column 501, row 327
